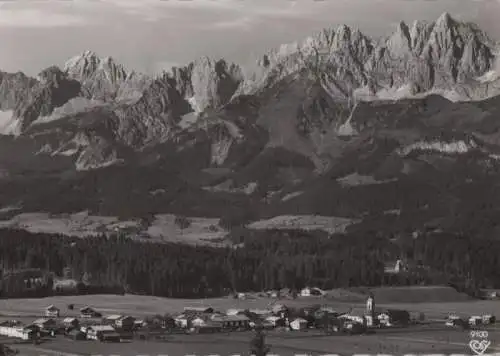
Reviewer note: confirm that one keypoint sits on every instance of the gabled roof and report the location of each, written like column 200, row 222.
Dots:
column 87, row 309
column 199, row 309
column 113, row 317
column 126, row 317
column 230, row 318
column 43, row 321
column 273, row 317
column 69, row 319
column 52, row 307
column 101, row 328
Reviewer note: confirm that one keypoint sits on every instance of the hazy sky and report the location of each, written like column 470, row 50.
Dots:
column 149, row 34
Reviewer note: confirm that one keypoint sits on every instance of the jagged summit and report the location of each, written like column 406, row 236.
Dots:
column 445, row 19
column 324, row 74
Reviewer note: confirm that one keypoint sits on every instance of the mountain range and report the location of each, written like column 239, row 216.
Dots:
column 396, row 134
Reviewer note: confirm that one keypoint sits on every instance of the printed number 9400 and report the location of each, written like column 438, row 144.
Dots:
column 479, row 334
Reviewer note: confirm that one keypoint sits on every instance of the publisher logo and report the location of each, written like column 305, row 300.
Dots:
column 479, row 343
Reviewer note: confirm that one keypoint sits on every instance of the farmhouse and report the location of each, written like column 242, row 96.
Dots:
column 394, row 317
column 275, row 321
column 70, row 322
column 111, row 319
column 298, row 324
column 125, row 322
column 17, row 332
column 76, row 334
column 45, row 323
column 308, row 292
column 183, row 320
column 88, row 312
column 52, row 311
column 102, row 333
column 232, row 321
column 198, row 321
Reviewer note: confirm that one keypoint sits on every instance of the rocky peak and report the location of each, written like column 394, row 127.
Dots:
column 101, row 78
column 13, row 88
column 400, row 43
column 82, row 66
column 342, row 39
column 419, row 35
column 213, row 82
column 51, row 76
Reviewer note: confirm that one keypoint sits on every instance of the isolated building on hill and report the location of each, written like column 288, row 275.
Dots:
column 52, row 311
column 207, row 310
column 88, row 312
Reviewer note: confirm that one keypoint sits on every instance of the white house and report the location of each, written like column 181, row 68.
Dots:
column 198, row 321
column 275, row 320
column 17, row 332
column 95, row 332
column 182, row 320
column 298, row 324
column 351, row 317
column 475, row 320
column 306, row 292
column 488, row 319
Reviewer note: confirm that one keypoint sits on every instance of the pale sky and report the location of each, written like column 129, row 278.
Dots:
column 148, row 34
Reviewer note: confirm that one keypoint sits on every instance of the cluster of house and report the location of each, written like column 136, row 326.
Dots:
column 92, row 325
column 454, row 320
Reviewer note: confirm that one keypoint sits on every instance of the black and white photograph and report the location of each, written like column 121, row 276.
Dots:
column 249, row 177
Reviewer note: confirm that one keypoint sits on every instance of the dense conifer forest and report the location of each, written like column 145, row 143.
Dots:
column 256, row 261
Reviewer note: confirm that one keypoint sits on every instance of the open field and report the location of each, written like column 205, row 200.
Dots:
column 394, row 342
column 162, row 229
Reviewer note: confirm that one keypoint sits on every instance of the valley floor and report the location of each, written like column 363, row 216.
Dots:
column 431, row 338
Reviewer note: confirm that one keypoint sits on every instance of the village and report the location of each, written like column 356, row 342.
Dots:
column 87, row 323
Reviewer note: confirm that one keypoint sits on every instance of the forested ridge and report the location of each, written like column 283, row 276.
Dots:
column 264, row 260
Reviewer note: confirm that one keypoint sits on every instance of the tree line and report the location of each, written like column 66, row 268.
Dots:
column 255, row 261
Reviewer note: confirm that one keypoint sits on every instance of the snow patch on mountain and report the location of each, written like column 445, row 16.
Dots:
column 330, row 224
column 72, row 107
column 356, row 179
column 8, row 124
column 454, row 147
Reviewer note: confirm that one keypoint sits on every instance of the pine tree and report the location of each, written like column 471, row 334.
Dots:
column 258, row 345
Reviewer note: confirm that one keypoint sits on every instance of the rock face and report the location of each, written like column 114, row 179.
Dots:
column 444, row 55
column 303, row 95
